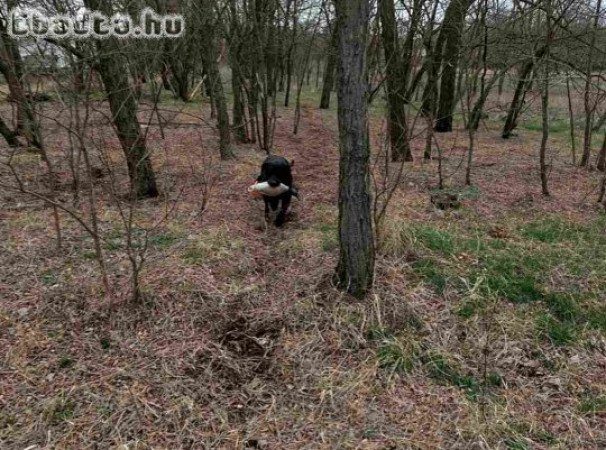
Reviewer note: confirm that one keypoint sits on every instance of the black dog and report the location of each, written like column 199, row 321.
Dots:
column 277, row 170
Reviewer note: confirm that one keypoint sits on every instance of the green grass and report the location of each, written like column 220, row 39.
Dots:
column 436, row 240
column 511, row 274
column 559, row 333
column 441, row 370
column 164, row 240
column 520, row 269
column 330, row 241
column 549, row 230
column 62, row 412
column 394, row 357
column 590, row 403
column 468, row 309
column 430, row 271
column 48, row 278
column 564, row 307
column 377, row 333
column 463, row 193
column 555, row 125
column 113, row 245
column 596, row 318
column 65, row 362
column 516, row 444
column 105, row 343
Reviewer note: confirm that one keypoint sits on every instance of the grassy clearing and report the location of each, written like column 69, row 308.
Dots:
column 521, row 268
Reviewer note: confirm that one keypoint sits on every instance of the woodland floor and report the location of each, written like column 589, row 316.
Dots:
column 486, row 328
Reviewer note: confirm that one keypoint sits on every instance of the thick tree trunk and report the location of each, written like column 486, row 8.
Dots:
column 396, row 83
column 329, row 73
column 452, row 28
column 123, row 107
column 356, row 259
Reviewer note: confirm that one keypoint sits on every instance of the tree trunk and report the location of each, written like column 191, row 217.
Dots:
column 600, row 123
column 545, row 107
column 602, row 156
column 500, row 88
column 357, row 256
column 433, row 63
column 237, row 77
column 210, row 59
column 12, row 69
column 573, row 138
column 124, row 111
column 452, row 28
column 396, row 84
column 518, row 96
column 9, row 135
column 291, row 47
column 588, row 104
column 239, row 108
column 164, row 75
column 478, row 107
column 318, row 70
column 329, row 72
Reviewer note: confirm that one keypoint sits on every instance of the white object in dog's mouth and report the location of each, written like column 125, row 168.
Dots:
column 271, row 191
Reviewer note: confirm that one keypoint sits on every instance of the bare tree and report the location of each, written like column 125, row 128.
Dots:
column 123, row 105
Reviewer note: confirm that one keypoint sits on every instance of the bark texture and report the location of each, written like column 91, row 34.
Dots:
column 355, row 269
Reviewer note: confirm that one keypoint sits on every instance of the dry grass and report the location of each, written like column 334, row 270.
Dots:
column 242, row 342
